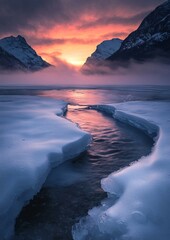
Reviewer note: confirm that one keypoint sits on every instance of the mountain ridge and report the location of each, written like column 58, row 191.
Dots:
column 103, row 50
column 149, row 42
column 9, row 62
column 21, row 54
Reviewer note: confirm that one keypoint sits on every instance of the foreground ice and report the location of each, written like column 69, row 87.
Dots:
column 138, row 203
column 33, row 139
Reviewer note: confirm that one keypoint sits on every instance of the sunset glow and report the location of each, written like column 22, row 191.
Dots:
column 84, row 104
column 78, row 44
column 68, row 31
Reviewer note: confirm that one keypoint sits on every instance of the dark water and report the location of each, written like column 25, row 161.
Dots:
column 74, row 187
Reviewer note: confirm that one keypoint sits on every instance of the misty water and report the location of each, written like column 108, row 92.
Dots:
column 74, row 187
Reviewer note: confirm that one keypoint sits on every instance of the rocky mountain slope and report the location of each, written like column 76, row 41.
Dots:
column 9, row 62
column 150, row 40
column 103, row 51
column 106, row 49
column 16, row 54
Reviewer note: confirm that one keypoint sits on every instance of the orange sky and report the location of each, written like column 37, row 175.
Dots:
column 78, row 43
column 67, row 31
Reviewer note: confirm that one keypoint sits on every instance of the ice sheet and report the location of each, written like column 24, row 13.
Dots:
column 33, row 139
column 138, row 200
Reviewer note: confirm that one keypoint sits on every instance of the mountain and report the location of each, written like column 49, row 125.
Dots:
column 103, row 51
column 16, row 54
column 9, row 62
column 106, row 49
column 151, row 40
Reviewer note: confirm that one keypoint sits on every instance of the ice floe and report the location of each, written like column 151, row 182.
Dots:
column 138, row 200
column 33, row 139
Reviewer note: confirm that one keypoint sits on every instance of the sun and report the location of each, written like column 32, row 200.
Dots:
column 74, row 61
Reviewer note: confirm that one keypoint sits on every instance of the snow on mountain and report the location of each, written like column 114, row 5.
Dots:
column 137, row 206
column 150, row 40
column 19, row 48
column 33, row 140
column 9, row 62
column 106, row 49
column 103, row 51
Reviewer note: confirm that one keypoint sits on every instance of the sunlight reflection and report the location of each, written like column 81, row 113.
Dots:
column 79, row 96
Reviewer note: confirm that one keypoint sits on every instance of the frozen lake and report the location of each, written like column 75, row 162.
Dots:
column 74, row 187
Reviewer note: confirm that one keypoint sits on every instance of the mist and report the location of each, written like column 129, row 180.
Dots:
column 154, row 73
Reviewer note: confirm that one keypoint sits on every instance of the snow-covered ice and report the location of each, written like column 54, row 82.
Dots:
column 33, row 139
column 138, row 200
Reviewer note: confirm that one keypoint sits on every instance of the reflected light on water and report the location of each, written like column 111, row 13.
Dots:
column 82, row 96
column 74, row 188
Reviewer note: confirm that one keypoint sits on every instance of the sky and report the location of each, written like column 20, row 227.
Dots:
column 67, row 31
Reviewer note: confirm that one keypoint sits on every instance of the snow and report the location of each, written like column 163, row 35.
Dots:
column 33, row 140
column 160, row 36
column 106, row 49
column 147, row 38
column 138, row 200
column 154, row 28
column 18, row 47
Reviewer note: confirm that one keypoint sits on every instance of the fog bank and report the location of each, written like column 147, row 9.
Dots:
column 66, row 75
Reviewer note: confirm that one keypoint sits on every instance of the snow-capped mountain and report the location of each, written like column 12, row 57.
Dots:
column 103, row 51
column 9, row 62
column 17, row 49
column 150, row 40
column 106, row 49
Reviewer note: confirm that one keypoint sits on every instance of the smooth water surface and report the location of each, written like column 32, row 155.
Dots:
column 80, row 96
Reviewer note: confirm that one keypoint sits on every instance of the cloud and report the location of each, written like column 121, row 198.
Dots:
column 132, row 20
column 19, row 14
column 155, row 69
column 66, row 25
column 58, row 63
column 33, row 14
column 110, row 35
column 60, row 41
column 62, row 66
